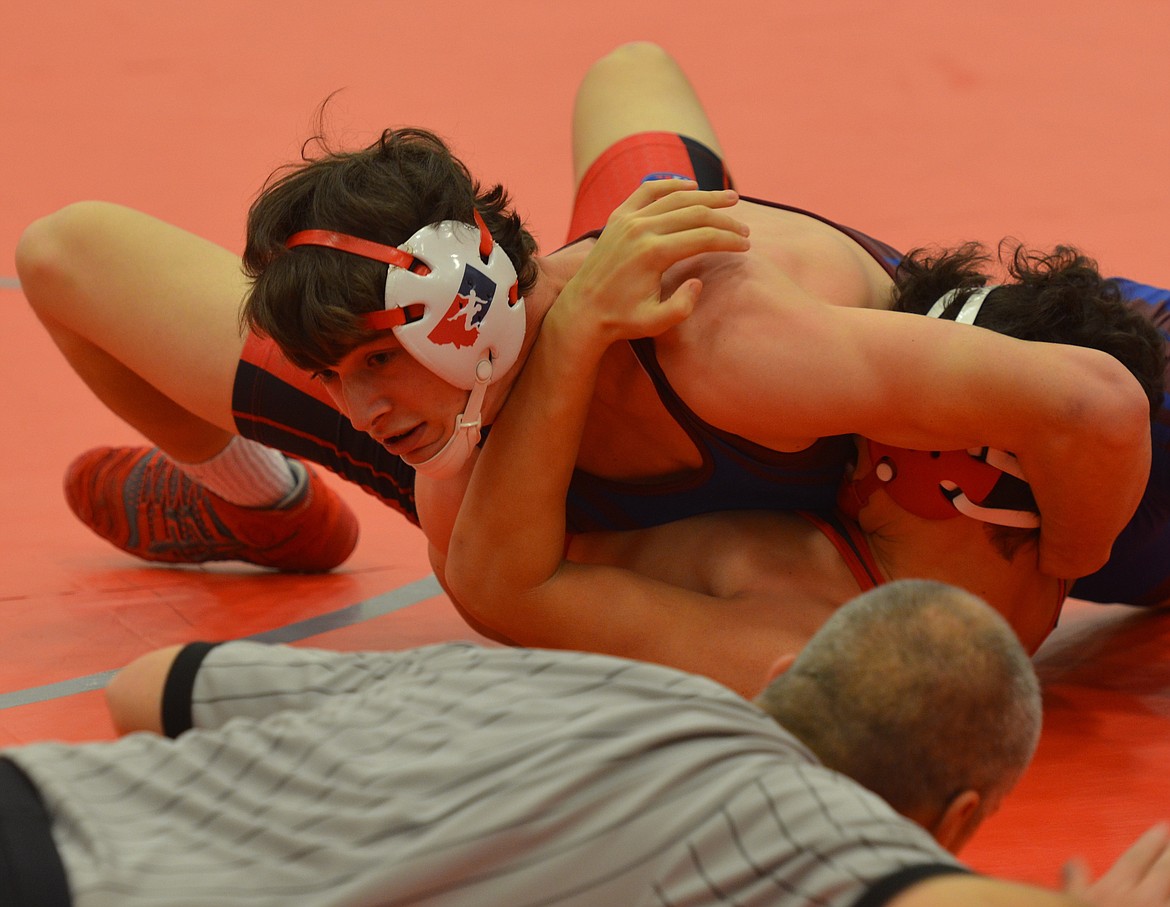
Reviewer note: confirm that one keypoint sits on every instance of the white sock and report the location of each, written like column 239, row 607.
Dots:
column 249, row 474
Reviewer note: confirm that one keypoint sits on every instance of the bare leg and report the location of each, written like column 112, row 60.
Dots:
column 146, row 314
column 606, row 109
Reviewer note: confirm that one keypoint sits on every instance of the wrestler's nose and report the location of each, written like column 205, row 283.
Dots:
column 364, row 404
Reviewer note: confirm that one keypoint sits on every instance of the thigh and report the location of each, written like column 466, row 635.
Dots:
column 636, row 88
column 160, row 301
column 631, row 160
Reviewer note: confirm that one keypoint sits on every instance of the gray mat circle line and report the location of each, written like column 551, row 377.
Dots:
column 379, row 605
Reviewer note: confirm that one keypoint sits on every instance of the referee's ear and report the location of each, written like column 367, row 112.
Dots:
column 958, row 821
column 779, row 666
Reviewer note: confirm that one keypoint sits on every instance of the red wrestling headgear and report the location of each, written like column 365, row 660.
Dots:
column 983, row 483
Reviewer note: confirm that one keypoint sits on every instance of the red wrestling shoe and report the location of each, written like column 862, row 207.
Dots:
column 140, row 501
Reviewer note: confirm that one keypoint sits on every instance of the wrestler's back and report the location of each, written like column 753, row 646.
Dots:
column 795, row 262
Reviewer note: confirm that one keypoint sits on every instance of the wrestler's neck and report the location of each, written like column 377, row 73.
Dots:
column 959, row 551
column 553, row 272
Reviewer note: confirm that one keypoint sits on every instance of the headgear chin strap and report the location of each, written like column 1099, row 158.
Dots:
column 464, row 439
column 452, row 302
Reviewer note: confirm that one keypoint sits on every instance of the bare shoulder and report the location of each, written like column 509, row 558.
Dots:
column 797, row 265
column 807, row 254
column 734, row 343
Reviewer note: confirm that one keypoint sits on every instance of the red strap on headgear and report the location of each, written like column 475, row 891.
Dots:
column 917, row 480
column 383, row 320
column 354, row 245
column 386, row 319
column 367, row 248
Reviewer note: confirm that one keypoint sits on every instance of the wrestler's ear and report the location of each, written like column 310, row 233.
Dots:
column 780, row 665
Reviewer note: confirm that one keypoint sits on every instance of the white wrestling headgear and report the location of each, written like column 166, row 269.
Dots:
column 971, row 305
column 451, row 300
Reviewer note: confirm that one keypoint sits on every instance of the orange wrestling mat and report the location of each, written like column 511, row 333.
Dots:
column 915, row 121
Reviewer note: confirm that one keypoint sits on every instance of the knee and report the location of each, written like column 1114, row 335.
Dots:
column 631, row 57
column 49, row 252
column 637, row 53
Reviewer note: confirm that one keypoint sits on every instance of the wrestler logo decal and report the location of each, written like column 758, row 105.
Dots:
column 460, row 324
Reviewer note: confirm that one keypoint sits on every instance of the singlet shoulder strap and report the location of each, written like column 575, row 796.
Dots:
column 851, row 543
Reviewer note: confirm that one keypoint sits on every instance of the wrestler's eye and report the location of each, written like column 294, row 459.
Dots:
column 380, row 358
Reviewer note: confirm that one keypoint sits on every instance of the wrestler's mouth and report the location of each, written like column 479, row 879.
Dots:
column 404, row 443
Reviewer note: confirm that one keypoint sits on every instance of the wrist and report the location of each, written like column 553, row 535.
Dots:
column 570, row 337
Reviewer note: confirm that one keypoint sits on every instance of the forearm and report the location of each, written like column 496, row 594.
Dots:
column 1089, row 468
column 509, row 535
column 207, row 685
column 134, row 695
column 979, row 891
column 1075, row 417
column 515, row 501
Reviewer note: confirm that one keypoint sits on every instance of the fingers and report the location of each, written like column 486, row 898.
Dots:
column 1149, row 858
column 617, row 292
column 1139, row 878
column 652, row 190
column 676, row 308
column 1076, row 877
column 659, row 197
column 669, row 220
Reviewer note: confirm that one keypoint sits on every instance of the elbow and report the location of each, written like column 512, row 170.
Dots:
column 439, row 563
column 1111, row 429
column 468, row 581
column 454, row 574
column 1117, row 411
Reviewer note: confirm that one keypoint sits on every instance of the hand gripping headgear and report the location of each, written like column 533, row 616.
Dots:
column 452, row 302
column 982, row 483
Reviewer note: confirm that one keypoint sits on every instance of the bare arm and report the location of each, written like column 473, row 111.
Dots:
column 134, row 695
column 1075, row 417
column 505, row 562
column 1139, row 878
column 977, row 891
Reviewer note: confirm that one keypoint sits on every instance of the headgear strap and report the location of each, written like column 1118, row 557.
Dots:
column 354, row 245
column 971, row 305
column 939, row 485
column 452, row 300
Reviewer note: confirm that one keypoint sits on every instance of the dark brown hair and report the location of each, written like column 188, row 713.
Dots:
column 1055, row 297
column 309, row 300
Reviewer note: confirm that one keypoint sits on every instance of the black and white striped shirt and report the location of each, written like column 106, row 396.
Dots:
column 456, row 775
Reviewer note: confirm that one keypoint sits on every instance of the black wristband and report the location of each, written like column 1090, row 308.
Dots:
column 179, row 687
